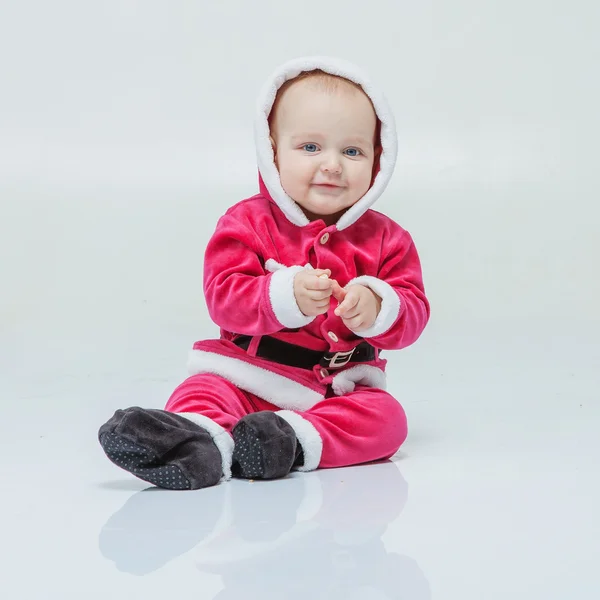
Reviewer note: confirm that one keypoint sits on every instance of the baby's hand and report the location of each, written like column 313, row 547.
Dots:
column 359, row 307
column 313, row 289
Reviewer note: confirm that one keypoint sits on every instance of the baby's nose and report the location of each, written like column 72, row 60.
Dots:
column 332, row 167
column 331, row 164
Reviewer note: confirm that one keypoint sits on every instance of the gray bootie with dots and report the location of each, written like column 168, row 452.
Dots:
column 163, row 448
column 266, row 447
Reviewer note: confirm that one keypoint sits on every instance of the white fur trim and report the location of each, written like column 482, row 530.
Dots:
column 272, row 265
column 345, row 381
column 390, row 305
column 281, row 294
column 277, row 389
column 266, row 159
column 308, row 436
column 221, row 437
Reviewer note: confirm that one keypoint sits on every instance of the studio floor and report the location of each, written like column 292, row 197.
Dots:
column 495, row 494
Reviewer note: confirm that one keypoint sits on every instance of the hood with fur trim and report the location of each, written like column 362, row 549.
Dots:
column 269, row 175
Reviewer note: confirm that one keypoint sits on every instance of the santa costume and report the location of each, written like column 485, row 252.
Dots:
column 280, row 391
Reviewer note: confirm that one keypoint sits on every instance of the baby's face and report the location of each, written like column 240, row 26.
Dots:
column 324, row 148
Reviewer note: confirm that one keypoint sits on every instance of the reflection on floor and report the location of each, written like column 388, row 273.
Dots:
column 313, row 535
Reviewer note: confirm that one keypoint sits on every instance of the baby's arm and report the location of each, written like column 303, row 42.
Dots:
column 241, row 295
column 399, row 283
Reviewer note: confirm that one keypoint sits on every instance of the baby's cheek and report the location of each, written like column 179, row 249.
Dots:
column 304, row 173
column 365, row 180
column 287, row 180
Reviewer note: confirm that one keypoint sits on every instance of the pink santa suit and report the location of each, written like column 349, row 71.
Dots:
column 324, row 380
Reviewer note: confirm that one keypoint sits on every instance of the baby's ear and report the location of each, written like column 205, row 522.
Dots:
column 274, row 146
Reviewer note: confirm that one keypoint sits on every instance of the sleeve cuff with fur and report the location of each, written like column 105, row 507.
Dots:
column 283, row 300
column 390, row 305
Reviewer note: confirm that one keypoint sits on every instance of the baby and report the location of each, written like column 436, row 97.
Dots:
column 308, row 285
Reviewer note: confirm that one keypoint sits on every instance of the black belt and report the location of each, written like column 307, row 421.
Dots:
column 297, row 356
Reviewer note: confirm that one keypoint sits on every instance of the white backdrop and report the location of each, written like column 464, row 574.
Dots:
column 125, row 132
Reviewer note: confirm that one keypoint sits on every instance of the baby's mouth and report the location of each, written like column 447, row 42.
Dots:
column 331, row 186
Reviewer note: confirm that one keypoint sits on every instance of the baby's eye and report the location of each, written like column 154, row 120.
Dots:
column 310, row 147
column 353, row 151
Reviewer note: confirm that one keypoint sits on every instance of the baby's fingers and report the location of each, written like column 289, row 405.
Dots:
column 318, row 282
column 350, row 302
column 318, row 295
column 355, row 323
column 322, row 273
column 337, row 291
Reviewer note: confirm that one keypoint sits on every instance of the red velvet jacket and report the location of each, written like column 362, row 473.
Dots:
column 249, row 267
column 262, row 242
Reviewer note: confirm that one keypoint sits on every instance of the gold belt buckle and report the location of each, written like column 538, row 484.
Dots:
column 336, row 363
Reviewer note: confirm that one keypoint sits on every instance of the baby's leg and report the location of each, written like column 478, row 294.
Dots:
column 186, row 446
column 365, row 425
column 264, row 445
column 211, row 399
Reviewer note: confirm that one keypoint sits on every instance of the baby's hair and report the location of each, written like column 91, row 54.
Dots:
column 330, row 84
column 325, row 81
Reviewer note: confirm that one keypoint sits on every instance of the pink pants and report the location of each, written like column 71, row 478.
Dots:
column 365, row 425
